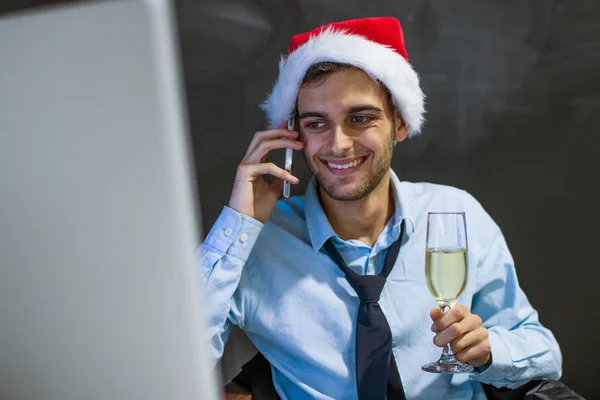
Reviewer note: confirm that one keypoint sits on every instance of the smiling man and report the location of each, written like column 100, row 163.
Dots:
column 363, row 122
column 330, row 286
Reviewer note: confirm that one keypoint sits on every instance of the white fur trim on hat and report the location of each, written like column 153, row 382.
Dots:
column 379, row 61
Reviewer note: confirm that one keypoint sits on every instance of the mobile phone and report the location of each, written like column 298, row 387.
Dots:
column 288, row 161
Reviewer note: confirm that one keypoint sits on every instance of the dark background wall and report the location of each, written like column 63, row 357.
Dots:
column 513, row 101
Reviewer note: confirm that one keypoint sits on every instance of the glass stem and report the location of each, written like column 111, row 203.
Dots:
column 446, row 350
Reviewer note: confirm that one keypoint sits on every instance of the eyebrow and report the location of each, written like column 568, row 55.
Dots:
column 351, row 110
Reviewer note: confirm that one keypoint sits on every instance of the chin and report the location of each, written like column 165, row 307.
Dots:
column 341, row 192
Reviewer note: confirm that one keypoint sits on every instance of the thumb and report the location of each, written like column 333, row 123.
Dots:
column 435, row 313
column 277, row 186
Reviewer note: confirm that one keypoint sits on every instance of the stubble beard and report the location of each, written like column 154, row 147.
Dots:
column 381, row 165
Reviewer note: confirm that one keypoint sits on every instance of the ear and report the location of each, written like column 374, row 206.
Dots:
column 401, row 132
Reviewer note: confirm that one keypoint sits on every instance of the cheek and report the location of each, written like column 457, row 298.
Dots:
column 311, row 147
column 377, row 143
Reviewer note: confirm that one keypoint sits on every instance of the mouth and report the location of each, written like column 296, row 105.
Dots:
column 344, row 166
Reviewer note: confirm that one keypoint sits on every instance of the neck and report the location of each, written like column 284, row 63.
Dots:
column 362, row 219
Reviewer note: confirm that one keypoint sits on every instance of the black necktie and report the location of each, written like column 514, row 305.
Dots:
column 376, row 370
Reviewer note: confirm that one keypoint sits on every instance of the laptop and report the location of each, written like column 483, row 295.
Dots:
column 99, row 223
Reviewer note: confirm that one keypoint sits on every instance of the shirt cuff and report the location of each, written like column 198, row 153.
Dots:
column 233, row 234
column 501, row 365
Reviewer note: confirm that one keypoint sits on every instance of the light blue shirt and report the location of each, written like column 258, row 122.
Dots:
column 277, row 283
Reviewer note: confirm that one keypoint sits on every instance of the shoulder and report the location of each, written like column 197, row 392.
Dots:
column 424, row 197
column 437, row 193
column 483, row 231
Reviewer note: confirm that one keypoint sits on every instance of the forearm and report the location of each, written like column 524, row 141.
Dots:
column 221, row 261
column 522, row 348
column 523, row 353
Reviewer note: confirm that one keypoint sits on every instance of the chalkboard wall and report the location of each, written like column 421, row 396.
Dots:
column 513, row 98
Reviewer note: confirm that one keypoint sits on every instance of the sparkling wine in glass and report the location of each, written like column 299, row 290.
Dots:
column 446, row 271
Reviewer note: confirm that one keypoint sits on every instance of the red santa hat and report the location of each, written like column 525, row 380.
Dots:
column 375, row 45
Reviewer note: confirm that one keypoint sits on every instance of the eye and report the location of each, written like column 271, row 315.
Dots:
column 314, row 125
column 361, row 119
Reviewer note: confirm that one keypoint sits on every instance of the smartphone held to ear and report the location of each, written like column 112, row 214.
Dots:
column 288, row 161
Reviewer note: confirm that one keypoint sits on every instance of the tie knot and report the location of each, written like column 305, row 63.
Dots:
column 367, row 287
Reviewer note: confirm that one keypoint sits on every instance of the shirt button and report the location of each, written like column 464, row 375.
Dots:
column 228, row 231
column 203, row 279
column 243, row 237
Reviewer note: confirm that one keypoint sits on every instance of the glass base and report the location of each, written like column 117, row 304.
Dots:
column 447, row 365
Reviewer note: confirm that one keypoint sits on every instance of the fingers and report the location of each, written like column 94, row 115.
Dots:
column 456, row 314
column 277, row 186
column 264, row 147
column 435, row 313
column 249, row 172
column 456, row 329
column 469, row 339
column 262, row 136
column 464, row 332
column 472, row 346
column 476, row 355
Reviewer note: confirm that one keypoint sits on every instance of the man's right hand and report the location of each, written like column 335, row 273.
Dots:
column 251, row 194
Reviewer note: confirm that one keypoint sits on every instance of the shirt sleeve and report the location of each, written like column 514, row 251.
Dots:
column 221, row 260
column 522, row 348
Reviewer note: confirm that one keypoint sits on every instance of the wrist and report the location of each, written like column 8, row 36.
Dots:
column 485, row 366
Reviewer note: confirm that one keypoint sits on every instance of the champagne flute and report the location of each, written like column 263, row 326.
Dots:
column 446, row 271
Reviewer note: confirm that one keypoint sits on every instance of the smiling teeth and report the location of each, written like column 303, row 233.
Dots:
column 345, row 166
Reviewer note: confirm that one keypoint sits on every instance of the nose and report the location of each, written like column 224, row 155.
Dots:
column 340, row 142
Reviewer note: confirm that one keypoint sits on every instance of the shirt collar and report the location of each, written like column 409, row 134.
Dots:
column 319, row 229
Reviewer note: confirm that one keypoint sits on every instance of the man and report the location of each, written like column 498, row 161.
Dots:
column 268, row 266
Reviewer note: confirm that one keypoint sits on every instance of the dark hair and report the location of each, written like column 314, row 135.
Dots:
column 317, row 73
